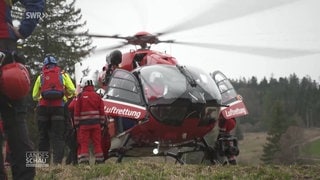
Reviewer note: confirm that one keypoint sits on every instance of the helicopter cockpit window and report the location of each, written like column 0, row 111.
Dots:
column 163, row 87
column 227, row 92
column 162, row 82
column 123, row 86
column 204, row 80
column 226, row 89
column 219, row 77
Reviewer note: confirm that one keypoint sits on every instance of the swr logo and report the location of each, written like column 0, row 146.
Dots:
column 35, row 15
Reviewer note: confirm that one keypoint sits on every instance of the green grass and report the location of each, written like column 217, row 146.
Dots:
column 154, row 170
column 250, row 167
column 312, row 149
column 251, row 148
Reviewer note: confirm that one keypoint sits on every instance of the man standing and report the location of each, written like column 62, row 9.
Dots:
column 50, row 89
column 226, row 143
column 89, row 119
column 13, row 109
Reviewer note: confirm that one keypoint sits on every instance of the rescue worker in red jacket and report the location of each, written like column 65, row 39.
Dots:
column 13, row 109
column 226, row 141
column 89, row 119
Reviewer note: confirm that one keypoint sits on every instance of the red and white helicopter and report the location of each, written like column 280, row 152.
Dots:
column 156, row 105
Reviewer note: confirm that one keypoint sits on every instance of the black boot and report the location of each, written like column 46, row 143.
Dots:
column 232, row 162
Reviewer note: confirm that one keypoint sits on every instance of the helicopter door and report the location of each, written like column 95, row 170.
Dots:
column 123, row 100
column 229, row 97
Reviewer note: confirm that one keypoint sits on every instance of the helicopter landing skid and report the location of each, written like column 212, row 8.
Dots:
column 200, row 145
column 176, row 151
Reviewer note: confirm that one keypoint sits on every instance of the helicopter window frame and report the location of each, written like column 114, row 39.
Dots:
column 124, row 86
column 206, row 82
column 228, row 93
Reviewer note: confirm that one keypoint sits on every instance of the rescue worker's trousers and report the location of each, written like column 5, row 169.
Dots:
column 85, row 134
column 13, row 114
column 51, row 126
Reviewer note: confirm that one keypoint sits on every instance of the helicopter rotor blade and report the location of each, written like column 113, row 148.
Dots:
column 255, row 50
column 108, row 36
column 116, row 36
column 225, row 11
column 218, row 12
column 102, row 50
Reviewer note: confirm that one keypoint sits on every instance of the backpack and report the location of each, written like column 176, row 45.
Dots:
column 52, row 83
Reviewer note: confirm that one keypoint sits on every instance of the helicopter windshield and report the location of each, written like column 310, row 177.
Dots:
column 162, row 82
column 204, row 80
column 170, row 89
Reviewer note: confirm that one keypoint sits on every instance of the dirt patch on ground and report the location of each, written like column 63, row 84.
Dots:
column 311, row 133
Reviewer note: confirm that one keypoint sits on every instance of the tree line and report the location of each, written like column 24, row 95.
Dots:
column 297, row 97
column 283, row 108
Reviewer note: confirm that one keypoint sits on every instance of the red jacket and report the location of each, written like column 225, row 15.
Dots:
column 88, row 107
column 33, row 12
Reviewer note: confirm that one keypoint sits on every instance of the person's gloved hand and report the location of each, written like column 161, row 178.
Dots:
column 16, row 31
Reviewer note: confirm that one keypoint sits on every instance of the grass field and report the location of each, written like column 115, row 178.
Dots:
column 312, row 149
column 250, row 167
column 136, row 170
column 251, row 148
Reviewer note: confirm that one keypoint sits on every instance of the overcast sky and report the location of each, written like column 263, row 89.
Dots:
column 292, row 25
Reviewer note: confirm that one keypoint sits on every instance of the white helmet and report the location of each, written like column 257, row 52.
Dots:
column 86, row 82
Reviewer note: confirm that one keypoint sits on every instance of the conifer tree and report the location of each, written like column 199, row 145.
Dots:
column 279, row 125
column 56, row 34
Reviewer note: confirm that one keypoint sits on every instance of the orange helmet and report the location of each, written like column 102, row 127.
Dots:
column 14, row 80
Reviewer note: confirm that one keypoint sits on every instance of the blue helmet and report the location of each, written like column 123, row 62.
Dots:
column 49, row 60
